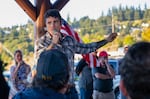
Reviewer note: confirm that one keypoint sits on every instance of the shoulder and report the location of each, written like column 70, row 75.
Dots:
column 43, row 37
column 19, row 95
column 95, row 69
column 25, row 65
column 24, row 94
column 69, row 38
column 12, row 68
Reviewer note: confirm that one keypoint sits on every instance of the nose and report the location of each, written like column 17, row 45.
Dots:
column 52, row 24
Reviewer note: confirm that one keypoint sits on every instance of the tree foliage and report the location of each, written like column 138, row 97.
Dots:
column 146, row 34
column 18, row 37
column 127, row 20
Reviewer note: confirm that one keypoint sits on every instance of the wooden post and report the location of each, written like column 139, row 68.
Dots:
column 27, row 6
column 36, row 12
column 42, row 7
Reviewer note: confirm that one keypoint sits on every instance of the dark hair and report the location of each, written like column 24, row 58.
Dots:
column 17, row 51
column 55, row 78
column 53, row 13
column 135, row 70
column 4, row 88
column 82, row 63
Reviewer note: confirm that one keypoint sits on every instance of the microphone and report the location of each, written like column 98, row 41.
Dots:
column 55, row 31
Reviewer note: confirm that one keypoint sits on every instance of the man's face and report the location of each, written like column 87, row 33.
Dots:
column 52, row 24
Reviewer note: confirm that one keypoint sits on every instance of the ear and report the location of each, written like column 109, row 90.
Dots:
column 123, row 88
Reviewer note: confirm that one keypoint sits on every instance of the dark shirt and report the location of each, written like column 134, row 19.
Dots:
column 4, row 88
column 39, row 93
column 85, row 78
column 101, row 85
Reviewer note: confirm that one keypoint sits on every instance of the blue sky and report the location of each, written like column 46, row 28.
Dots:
column 12, row 14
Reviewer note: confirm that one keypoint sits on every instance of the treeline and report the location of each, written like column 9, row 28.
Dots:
column 132, row 25
column 120, row 16
column 16, row 37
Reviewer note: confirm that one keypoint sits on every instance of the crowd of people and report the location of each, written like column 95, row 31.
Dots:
column 54, row 77
column 54, row 39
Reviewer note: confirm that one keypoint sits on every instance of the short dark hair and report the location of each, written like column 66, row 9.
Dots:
column 53, row 13
column 52, row 73
column 135, row 71
column 17, row 51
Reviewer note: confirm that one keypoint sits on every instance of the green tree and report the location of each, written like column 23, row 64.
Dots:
column 147, row 14
column 121, row 16
column 127, row 13
column 146, row 35
column 128, row 40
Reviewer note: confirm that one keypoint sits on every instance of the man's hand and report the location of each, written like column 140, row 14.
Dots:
column 111, row 37
column 110, row 69
column 56, row 37
column 106, row 62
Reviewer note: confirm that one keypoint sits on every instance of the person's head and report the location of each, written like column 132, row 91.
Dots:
column 52, row 19
column 135, row 71
column 103, row 55
column 125, row 49
column 52, row 70
column 18, row 56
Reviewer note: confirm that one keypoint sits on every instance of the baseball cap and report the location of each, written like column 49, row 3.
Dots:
column 103, row 54
column 52, row 65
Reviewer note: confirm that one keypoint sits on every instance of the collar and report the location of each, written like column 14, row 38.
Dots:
column 48, row 35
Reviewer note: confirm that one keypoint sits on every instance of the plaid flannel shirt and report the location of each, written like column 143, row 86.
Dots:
column 69, row 46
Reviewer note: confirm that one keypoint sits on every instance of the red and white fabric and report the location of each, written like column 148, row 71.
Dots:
column 68, row 30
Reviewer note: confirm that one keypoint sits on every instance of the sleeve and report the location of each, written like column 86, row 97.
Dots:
column 82, row 48
column 82, row 63
column 17, row 96
column 94, row 70
column 29, row 69
column 11, row 71
column 40, row 46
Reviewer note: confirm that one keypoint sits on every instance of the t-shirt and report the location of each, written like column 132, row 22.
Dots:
column 85, row 78
column 101, row 85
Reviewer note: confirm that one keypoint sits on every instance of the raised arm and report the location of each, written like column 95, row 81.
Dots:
column 82, row 48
